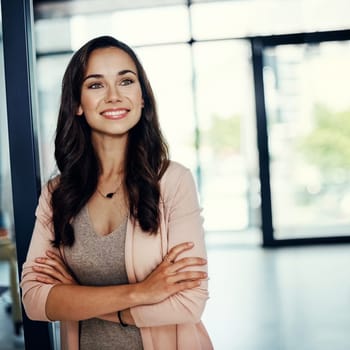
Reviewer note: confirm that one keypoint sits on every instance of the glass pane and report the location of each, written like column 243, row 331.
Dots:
column 135, row 27
column 46, row 30
column 227, row 128
column 256, row 17
column 170, row 73
column 308, row 108
column 10, row 306
column 50, row 71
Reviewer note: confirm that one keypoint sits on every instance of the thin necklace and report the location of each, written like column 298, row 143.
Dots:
column 109, row 195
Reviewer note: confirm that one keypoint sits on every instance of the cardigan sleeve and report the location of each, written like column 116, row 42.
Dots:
column 184, row 223
column 34, row 293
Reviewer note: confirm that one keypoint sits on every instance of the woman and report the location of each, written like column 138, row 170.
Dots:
column 117, row 253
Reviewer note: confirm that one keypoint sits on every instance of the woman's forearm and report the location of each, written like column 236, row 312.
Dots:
column 68, row 301
column 74, row 302
column 113, row 317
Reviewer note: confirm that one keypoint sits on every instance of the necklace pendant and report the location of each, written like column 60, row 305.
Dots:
column 108, row 195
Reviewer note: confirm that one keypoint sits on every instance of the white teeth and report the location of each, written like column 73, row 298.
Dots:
column 114, row 113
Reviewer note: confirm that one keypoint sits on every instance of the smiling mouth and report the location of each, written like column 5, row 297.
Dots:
column 115, row 114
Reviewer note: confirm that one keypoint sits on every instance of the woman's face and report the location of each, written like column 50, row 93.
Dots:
column 111, row 96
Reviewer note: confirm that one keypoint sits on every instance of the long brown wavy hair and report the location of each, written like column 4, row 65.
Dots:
column 146, row 153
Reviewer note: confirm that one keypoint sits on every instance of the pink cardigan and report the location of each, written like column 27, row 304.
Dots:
column 173, row 324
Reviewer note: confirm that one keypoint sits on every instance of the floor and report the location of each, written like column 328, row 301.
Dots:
column 279, row 299
column 267, row 299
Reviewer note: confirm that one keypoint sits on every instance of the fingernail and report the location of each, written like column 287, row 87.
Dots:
column 190, row 244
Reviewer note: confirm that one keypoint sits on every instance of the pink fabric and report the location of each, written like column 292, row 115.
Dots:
column 173, row 324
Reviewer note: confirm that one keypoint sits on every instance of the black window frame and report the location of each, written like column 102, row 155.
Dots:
column 258, row 45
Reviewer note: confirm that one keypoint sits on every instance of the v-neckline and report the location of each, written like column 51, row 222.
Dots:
column 91, row 224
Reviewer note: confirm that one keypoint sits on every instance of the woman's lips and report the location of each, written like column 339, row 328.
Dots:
column 115, row 113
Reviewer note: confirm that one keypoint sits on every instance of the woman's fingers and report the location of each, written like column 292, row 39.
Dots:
column 176, row 251
column 177, row 265
column 47, row 274
column 57, row 262
column 174, row 274
column 187, row 262
column 184, row 285
column 190, row 276
column 47, row 280
column 53, row 268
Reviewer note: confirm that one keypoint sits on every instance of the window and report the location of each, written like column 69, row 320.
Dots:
column 308, row 112
column 198, row 60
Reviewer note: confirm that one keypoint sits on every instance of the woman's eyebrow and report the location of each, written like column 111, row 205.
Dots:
column 126, row 71
column 93, row 76
column 99, row 76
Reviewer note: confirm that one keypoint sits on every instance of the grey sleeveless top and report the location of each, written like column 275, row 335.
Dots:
column 96, row 261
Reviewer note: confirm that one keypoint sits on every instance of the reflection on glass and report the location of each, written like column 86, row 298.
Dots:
column 308, row 108
column 227, row 131
column 10, row 313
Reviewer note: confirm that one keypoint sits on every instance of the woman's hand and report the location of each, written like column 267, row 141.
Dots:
column 52, row 270
column 168, row 278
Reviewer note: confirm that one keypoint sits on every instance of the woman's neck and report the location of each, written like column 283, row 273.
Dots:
column 111, row 155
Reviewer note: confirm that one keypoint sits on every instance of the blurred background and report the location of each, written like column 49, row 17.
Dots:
column 253, row 97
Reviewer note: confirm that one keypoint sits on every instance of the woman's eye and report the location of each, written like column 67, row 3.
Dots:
column 95, row 86
column 126, row 82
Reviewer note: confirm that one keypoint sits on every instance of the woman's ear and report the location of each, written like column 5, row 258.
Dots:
column 79, row 111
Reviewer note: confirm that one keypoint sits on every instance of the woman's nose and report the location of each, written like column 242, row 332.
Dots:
column 113, row 94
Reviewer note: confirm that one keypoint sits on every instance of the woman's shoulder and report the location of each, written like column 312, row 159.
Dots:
column 175, row 177
column 46, row 192
column 175, row 171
